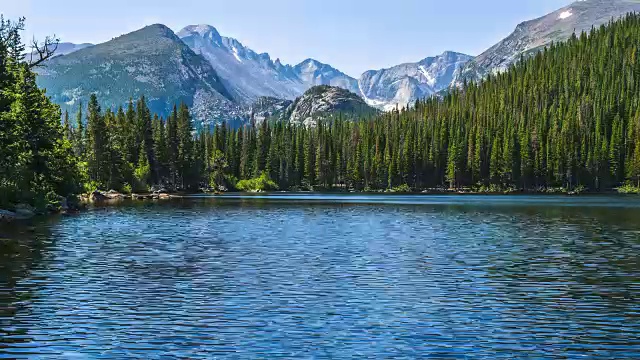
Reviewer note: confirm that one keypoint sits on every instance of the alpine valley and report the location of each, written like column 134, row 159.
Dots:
column 220, row 79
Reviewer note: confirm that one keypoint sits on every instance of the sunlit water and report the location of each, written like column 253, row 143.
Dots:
column 327, row 276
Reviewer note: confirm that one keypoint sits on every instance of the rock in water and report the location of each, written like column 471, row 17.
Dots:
column 7, row 216
column 97, row 196
column 24, row 211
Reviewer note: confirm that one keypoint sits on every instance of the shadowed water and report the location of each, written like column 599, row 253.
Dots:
column 327, row 276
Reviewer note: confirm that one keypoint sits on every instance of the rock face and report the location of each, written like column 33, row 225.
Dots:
column 532, row 36
column 152, row 61
column 250, row 75
column 24, row 211
column 403, row 84
column 325, row 101
column 268, row 108
column 247, row 74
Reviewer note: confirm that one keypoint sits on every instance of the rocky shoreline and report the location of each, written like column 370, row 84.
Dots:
column 111, row 196
column 22, row 212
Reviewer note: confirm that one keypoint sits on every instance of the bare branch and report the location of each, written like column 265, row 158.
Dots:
column 41, row 52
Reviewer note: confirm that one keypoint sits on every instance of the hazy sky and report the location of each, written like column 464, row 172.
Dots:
column 352, row 35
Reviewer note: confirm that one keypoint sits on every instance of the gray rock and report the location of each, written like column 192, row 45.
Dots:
column 322, row 101
column 25, row 211
column 7, row 216
column 97, row 196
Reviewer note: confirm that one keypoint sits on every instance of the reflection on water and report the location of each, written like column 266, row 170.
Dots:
column 327, row 277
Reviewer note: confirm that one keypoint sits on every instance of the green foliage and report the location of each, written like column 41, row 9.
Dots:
column 404, row 188
column 628, row 189
column 261, row 183
column 35, row 152
column 91, row 186
column 142, row 174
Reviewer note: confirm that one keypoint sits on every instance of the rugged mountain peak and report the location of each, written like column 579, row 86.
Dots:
column 313, row 72
column 202, row 30
column 403, row 84
column 311, row 64
column 152, row 30
column 151, row 61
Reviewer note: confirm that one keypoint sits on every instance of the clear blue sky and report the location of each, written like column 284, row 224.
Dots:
column 352, row 35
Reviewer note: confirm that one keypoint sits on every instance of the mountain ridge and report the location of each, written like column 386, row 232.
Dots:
column 531, row 36
column 151, row 61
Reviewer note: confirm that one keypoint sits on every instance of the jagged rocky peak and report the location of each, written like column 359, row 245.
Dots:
column 403, row 84
column 204, row 31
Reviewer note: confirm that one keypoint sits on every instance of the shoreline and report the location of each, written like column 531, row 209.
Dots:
column 97, row 199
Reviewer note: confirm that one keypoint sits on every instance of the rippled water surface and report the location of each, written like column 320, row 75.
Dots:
column 327, row 276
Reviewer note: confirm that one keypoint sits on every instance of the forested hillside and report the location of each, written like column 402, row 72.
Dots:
column 568, row 117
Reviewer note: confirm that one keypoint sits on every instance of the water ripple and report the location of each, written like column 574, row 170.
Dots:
column 339, row 277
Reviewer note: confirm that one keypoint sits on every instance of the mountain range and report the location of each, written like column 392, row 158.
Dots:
column 221, row 79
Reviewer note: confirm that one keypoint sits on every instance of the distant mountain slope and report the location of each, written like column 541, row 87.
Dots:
column 531, row 36
column 62, row 48
column 249, row 75
column 152, row 61
column 403, row 84
column 325, row 101
column 313, row 73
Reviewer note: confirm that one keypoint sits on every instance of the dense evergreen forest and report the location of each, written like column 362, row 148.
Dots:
column 36, row 165
column 567, row 118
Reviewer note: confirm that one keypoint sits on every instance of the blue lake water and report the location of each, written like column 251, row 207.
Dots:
column 327, row 276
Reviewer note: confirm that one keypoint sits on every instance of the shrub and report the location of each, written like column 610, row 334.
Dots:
column 404, row 188
column 261, row 183
column 628, row 189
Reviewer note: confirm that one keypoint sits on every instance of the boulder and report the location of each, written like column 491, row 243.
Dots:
column 157, row 189
column 97, row 196
column 25, row 211
column 114, row 195
column 7, row 216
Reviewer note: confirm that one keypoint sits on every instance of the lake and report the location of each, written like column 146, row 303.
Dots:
column 327, row 276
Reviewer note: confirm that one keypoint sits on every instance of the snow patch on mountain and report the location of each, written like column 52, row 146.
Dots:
column 565, row 14
column 235, row 54
column 430, row 79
